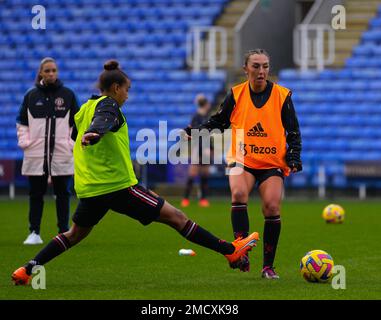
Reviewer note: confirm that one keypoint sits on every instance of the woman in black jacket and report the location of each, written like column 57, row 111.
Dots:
column 44, row 126
column 200, row 169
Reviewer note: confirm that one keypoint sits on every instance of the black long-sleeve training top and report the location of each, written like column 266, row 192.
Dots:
column 107, row 117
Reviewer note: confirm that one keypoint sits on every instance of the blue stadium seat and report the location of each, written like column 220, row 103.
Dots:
column 375, row 23
column 372, row 36
column 361, row 62
column 328, row 74
column 363, row 50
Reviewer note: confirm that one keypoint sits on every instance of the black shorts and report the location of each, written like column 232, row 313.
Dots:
column 136, row 202
column 261, row 175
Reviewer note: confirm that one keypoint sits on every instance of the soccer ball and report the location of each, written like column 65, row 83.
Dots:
column 333, row 213
column 317, row 266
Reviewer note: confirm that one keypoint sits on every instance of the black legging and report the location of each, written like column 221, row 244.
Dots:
column 37, row 189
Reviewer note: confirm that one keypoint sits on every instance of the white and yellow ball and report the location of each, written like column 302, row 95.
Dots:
column 333, row 213
column 317, row 266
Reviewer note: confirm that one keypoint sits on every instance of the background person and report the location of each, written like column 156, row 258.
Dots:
column 44, row 126
column 200, row 117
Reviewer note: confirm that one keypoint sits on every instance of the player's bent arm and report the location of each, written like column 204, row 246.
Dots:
column 294, row 141
column 106, row 118
column 220, row 120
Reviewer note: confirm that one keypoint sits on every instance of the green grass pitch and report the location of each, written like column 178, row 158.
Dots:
column 121, row 259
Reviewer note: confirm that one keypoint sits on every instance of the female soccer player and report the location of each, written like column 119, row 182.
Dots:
column 200, row 169
column 266, row 132
column 104, row 179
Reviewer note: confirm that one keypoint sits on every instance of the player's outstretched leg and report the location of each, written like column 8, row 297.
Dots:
column 233, row 251
column 55, row 247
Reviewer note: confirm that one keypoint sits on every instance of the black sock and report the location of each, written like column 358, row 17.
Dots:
column 270, row 239
column 240, row 220
column 204, row 187
column 188, row 188
column 196, row 234
column 54, row 248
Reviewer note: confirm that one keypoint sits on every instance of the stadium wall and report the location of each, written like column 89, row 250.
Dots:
column 263, row 29
column 321, row 12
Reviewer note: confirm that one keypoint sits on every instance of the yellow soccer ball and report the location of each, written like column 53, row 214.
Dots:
column 317, row 266
column 333, row 213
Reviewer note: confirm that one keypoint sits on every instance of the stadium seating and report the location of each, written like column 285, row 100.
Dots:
column 339, row 111
column 148, row 37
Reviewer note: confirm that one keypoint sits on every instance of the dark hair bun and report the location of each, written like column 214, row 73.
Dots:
column 111, row 65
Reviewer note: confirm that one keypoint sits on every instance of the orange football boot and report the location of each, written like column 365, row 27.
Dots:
column 185, row 202
column 242, row 246
column 20, row 277
column 204, row 203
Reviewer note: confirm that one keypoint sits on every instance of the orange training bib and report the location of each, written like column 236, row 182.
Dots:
column 258, row 135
